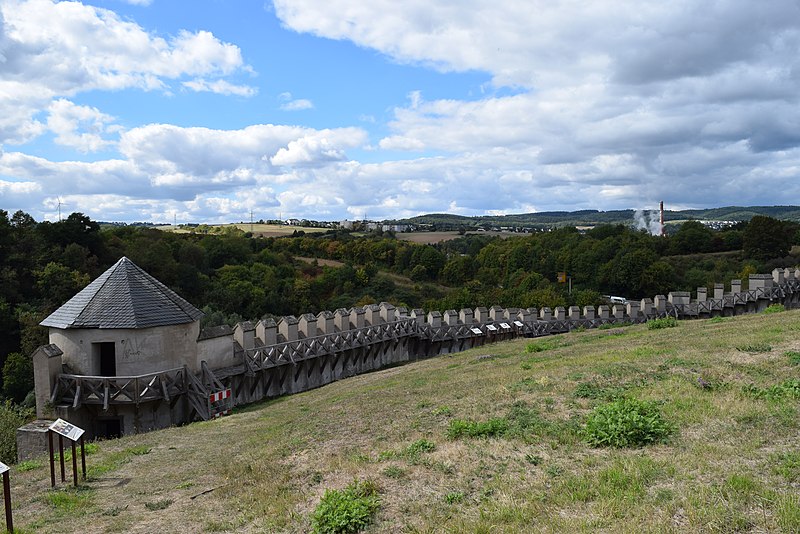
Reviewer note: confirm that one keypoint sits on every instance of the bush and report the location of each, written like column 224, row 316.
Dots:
column 11, row 418
column 346, row 511
column 666, row 322
column 775, row 308
column 626, row 422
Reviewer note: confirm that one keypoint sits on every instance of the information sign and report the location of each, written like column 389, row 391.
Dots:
column 66, row 429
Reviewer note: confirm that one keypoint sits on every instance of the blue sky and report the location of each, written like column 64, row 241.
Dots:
column 147, row 110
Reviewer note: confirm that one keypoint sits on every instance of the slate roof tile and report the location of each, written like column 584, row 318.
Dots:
column 124, row 296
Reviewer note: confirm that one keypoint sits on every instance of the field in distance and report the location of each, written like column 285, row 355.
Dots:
column 488, row 440
column 266, row 230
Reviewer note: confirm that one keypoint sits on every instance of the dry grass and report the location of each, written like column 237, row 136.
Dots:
column 731, row 466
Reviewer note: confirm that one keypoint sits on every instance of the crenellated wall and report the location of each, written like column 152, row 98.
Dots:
column 293, row 354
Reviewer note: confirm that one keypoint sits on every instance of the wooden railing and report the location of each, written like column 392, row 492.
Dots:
column 75, row 390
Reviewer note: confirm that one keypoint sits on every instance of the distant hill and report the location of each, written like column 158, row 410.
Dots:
column 596, row 217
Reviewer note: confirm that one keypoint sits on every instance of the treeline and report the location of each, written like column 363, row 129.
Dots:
column 234, row 276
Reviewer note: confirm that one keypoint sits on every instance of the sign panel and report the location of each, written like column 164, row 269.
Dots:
column 67, row 429
column 505, row 326
column 476, row 331
column 491, row 328
column 562, row 277
column 518, row 324
column 3, row 468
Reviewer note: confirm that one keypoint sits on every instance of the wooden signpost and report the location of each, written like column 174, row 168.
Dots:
column 73, row 433
column 7, row 496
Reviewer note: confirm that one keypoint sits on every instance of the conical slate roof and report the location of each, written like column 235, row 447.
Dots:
column 123, row 297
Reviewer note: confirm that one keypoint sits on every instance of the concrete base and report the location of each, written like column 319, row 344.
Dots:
column 32, row 439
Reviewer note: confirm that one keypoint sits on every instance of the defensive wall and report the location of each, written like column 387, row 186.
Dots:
column 251, row 362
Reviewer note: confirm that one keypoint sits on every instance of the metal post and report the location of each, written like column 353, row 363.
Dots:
column 52, row 461
column 61, row 457
column 7, row 499
column 83, row 458
column 74, row 464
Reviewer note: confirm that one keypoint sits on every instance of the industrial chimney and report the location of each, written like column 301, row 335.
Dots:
column 661, row 211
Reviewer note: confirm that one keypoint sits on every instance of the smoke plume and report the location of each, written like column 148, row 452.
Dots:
column 649, row 220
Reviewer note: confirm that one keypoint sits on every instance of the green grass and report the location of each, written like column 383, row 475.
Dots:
column 491, row 447
column 346, row 511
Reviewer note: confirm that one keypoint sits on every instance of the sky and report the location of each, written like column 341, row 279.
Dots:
column 213, row 110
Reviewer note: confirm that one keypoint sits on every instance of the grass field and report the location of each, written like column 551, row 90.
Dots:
column 431, row 238
column 266, row 230
column 728, row 387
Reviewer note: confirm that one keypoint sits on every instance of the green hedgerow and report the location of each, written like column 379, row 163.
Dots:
column 626, row 422
column 346, row 511
column 665, row 322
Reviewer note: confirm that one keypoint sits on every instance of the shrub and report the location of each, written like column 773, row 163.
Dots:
column 665, row 322
column 11, row 418
column 626, row 422
column 775, row 308
column 346, row 511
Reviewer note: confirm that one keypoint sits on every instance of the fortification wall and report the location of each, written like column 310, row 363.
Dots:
column 295, row 354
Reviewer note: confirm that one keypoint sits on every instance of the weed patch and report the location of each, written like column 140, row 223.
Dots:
column 774, row 308
column 543, row 345
column 29, row 465
column 346, row 511
column 794, row 357
column 70, row 500
column 394, row 471
column 158, row 505
column 593, row 390
column 787, row 511
column 788, row 389
column 459, row 428
column 626, row 422
column 665, row 322
column 418, row 447
column 454, row 497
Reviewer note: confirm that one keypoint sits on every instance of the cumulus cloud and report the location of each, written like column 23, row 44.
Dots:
column 59, row 49
column 66, row 119
column 608, row 104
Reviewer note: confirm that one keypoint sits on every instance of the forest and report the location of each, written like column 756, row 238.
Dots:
column 234, row 276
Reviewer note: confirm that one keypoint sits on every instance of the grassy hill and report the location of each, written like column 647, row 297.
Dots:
column 728, row 387
column 595, row 217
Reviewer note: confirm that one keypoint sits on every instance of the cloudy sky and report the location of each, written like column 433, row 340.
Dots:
column 152, row 110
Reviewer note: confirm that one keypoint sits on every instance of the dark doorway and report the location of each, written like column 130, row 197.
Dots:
column 109, row 428
column 108, row 359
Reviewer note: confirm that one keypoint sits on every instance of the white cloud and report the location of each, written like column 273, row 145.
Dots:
column 66, row 118
column 220, row 87
column 59, row 49
column 297, row 105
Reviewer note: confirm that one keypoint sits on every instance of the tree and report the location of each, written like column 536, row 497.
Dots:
column 767, row 238
column 691, row 237
column 17, row 376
